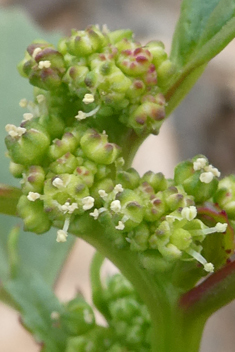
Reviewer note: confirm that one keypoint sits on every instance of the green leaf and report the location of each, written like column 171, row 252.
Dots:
column 42, row 253
column 204, row 28
column 36, row 302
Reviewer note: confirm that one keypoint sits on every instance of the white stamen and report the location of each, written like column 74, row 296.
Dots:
column 32, row 196
column 221, row 227
column 189, row 213
column 61, row 236
column 69, row 208
column 209, row 267
column 95, row 214
column 115, row 206
column 120, row 226
column 27, row 116
column 105, row 29
column 206, row 177
column 14, row 131
column 214, row 170
column 23, row 103
column 88, row 98
column 35, row 52
column 44, row 64
column 199, row 164
column 83, row 115
column 88, row 202
column 58, row 183
column 102, row 193
column 40, row 98
column 118, row 188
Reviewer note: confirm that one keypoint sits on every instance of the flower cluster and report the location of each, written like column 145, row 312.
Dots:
column 104, row 75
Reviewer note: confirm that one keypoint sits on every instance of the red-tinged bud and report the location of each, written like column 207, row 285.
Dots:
column 68, row 143
column 65, row 164
column 128, row 179
column 33, row 180
column 156, row 180
column 97, row 148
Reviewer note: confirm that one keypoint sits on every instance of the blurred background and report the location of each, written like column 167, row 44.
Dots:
column 203, row 124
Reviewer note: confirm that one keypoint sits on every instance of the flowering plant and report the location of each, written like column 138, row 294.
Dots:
column 97, row 95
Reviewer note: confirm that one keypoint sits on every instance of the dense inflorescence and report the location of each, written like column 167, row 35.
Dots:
column 95, row 86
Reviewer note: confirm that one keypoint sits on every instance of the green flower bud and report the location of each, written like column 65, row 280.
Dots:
column 156, row 180
column 139, row 237
column 16, row 169
column 129, row 178
column 156, row 48
column 76, row 76
column 33, row 214
column 181, row 239
column 85, row 174
column 225, row 195
column 68, row 143
column 105, row 184
column 124, row 309
column 97, row 148
column 30, row 146
column 77, row 317
column 65, row 164
column 134, row 62
column 131, row 208
column 155, row 208
column 53, row 124
column 165, row 72
column 120, row 34
column 148, row 117
column 117, row 287
column 33, row 180
column 83, row 43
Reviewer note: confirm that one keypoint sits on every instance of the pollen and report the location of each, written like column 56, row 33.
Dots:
column 32, row 196
column 14, row 131
column 69, row 208
column 40, row 98
column 88, row 99
column 88, row 203
column 118, row 188
column 120, row 226
column 61, row 236
column 102, row 193
column 189, row 213
column 221, row 227
column 58, row 183
column 95, row 214
column 206, row 177
column 44, row 64
column 199, row 164
column 35, row 52
column 81, row 115
column 115, row 206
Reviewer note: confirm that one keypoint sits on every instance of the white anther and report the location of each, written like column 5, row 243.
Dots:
column 88, row 202
column 58, row 183
column 214, row 170
column 115, row 206
column 44, row 64
column 81, row 115
column 23, row 103
column 209, row 267
column 199, row 164
column 61, row 236
column 40, row 98
column 35, row 52
column 27, row 116
column 88, row 98
column 69, row 208
column 14, row 131
column 189, row 213
column 219, row 227
column 95, row 214
column 206, row 177
column 102, row 193
column 32, row 196
column 120, row 226
column 118, row 188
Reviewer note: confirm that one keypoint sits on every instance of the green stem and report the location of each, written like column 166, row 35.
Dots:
column 9, row 197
